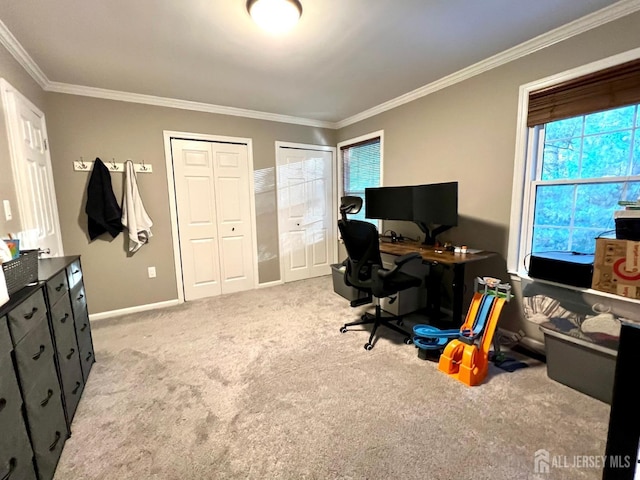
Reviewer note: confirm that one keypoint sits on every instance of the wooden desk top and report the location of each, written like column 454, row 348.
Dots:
column 430, row 254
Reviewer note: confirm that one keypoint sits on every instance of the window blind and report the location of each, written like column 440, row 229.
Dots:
column 361, row 166
column 612, row 87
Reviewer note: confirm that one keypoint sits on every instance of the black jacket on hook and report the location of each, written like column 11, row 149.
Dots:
column 102, row 207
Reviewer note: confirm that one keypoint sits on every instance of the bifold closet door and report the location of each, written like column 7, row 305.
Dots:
column 214, row 217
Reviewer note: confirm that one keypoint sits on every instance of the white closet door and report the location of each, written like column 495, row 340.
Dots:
column 307, row 226
column 214, row 217
column 232, row 196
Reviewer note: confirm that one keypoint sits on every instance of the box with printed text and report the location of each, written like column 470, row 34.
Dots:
column 616, row 267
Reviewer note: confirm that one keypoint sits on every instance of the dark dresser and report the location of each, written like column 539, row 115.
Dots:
column 46, row 354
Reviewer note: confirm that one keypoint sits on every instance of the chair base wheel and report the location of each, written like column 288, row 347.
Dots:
column 408, row 341
column 368, row 346
column 343, row 329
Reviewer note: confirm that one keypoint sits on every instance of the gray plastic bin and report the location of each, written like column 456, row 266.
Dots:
column 341, row 288
column 576, row 363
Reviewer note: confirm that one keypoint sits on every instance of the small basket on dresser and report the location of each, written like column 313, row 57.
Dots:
column 21, row 271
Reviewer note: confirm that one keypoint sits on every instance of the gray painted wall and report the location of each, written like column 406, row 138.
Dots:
column 89, row 127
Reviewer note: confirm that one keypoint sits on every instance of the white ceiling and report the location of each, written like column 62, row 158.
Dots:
column 343, row 58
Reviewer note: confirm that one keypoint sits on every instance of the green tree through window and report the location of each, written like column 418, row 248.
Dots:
column 588, row 164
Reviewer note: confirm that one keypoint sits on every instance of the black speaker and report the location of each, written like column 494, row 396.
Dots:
column 568, row 268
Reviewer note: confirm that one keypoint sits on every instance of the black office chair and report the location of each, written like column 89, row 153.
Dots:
column 364, row 270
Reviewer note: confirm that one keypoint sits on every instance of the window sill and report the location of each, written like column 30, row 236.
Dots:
column 518, row 275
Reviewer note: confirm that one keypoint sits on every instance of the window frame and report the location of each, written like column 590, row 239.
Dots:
column 340, row 170
column 524, row 173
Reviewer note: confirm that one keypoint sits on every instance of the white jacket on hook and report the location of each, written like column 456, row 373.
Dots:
column 134, row 217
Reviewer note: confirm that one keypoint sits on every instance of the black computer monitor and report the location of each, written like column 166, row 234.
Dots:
column 435, row 208
column 388, row 203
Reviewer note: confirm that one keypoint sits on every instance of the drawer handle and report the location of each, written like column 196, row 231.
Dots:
column 40, row 352
column 12, row 466
column 75, row 272
column 52, row 447
column 75, row 390
column 60, row 287
column 46, row 400
column 70, row 354
column 64, row 319
column 80, row 297
column 30, row 315
column 89, row 355
column 3, row 403
column 84, row 327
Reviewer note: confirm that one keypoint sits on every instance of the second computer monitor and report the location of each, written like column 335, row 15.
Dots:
column 436, row 204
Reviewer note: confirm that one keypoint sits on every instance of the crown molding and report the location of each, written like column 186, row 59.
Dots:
column 20, row 54
column 581, row 25
column 588, row 22
column 103, row 93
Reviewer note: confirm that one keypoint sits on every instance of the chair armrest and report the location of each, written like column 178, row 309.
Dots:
column 399, row 262
column 406, row 258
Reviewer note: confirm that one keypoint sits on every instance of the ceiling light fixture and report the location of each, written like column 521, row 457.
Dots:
column 275, row 16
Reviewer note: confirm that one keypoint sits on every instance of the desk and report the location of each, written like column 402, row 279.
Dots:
column 433, row 257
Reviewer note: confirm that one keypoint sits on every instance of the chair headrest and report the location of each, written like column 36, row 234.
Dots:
column 350, row 204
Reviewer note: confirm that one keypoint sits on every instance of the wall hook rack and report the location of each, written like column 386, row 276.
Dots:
column 112, row 166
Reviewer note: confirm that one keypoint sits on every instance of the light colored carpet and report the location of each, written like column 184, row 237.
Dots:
column 261, row 385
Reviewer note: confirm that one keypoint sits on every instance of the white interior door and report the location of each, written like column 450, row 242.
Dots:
column 214, row 217
column 305, row 204
column 33, row 175
column 232, row 194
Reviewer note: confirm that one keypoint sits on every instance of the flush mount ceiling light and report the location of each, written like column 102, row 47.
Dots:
column 275, row 16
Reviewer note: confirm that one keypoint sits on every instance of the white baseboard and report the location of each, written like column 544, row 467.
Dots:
column 136, row 309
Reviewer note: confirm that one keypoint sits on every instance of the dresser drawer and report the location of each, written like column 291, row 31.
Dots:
column 48, row 439
column 34, row 354
column 26, row 315
column 63, row 325
column 5, row 339
column 87, row 358
column 74, row 273
column 44, row 413
column 78, row 299
column 72, row 381
column 83, row 328
column 57, row 287
column 16, row 456
column 10, row 399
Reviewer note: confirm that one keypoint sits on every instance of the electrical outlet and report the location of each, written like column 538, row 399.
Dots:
column 152, row 272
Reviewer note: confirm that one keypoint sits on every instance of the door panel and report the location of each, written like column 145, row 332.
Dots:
column 33, row 176
column 234, row 213
column 214, row 217
column 305, row 197
column 197, row 223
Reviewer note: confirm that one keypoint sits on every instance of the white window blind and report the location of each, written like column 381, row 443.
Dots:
column 360, row 169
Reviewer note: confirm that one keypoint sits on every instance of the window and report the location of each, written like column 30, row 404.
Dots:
column 361, row 167
column 580, row 143
column 587, row 165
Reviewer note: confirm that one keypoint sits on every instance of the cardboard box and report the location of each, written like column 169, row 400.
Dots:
column 616, row 267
